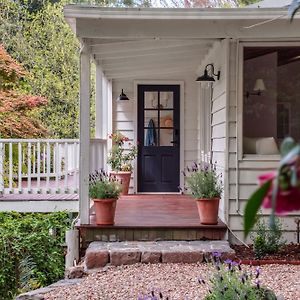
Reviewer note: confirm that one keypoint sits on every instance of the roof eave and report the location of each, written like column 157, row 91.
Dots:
column 95, row 12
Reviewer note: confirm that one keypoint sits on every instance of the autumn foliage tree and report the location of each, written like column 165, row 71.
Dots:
column 17, row 109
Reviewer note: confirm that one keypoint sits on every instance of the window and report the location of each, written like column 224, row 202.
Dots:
column 271, row 98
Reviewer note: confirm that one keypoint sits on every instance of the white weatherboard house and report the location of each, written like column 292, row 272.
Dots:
column 155, row 56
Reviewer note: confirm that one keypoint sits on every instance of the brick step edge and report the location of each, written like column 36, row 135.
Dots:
column 99, row 258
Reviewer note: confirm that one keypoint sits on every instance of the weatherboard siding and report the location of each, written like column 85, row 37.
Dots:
column 243, row 172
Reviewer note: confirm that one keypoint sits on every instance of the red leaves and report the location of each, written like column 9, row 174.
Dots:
column 16, row 110
column 11, row 101
column 10, row 70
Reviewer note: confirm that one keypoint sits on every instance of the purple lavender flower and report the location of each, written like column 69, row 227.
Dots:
column 216, row 254
column 257, row 284
column 257, row 272
column 228, row 261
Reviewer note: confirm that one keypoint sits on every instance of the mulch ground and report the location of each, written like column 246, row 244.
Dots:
column 290, row 252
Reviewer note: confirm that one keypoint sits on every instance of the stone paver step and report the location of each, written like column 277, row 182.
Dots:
column 100, row 254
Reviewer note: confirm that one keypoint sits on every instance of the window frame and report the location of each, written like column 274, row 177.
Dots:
column 240, row 98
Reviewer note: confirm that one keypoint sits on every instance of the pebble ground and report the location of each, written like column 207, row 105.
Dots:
column 177, row 281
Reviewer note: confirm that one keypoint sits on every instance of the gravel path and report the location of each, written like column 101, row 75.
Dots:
column 178, row 281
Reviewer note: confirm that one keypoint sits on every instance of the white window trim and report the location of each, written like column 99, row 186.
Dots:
column 182, row 140
column 240, row 93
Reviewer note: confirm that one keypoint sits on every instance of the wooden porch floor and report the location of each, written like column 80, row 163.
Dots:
column 153, row 217
column 141, row 211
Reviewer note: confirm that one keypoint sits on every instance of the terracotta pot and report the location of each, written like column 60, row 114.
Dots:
column 208, row 210
column 105, row 211
column 124, row 178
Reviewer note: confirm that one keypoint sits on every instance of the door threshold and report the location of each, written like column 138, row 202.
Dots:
column 158, row 193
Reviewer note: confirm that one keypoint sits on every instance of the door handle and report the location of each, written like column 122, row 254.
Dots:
column 174, row 142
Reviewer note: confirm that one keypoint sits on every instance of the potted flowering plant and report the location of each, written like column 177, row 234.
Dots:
column 120, row 159
column 104, row 190
column 206, row 188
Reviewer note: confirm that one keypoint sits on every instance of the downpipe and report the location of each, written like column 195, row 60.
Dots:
column 72, row 244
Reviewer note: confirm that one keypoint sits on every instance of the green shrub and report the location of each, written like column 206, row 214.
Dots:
column 31, row 251
column 204, row 182
column 267, row 240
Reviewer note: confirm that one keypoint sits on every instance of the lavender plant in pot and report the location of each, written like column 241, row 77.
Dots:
column 121, row 159
column 206, row 187
column 104, row 190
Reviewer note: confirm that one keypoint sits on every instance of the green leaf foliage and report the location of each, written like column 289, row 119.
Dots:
column 31, row 252
column 204, row 184
column 253, row 205
column 267, row 239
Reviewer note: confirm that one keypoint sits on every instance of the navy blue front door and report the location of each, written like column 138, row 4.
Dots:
column 159, row 138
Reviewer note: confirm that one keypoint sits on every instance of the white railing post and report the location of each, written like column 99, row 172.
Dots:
column 29, row 168
column 48, row 166
column 1, row 168
column 38, row 173
column 20, row 167
column 10, row 160
column 66, row 166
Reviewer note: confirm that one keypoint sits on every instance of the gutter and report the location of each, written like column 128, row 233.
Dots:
column 96, row 12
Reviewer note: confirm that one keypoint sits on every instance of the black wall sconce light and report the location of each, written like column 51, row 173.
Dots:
column 209, row 77
column 259, row 87
column 122, row 96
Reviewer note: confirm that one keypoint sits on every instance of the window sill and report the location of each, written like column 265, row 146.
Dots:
column 261, row 157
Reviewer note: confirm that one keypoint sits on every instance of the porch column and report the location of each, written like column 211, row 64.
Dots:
column 100, row 111
column 84, row 154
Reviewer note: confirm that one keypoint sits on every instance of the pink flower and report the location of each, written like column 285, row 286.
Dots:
column 287, row 200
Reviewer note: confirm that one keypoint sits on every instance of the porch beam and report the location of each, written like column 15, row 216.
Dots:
column 143, row 45
column 157, row 61
column 145, row 69
column 120, row 56
column 185, row 29
column 141, row 73
column 84, row 154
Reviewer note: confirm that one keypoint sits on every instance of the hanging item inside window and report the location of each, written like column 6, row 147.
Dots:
column 151, row 138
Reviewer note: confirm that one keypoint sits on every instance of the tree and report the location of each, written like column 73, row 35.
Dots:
column 46, row 46
column 16, row 120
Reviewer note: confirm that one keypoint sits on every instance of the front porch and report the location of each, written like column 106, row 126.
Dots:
column 152, row 218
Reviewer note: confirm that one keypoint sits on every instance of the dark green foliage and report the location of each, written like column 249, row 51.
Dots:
column 268, row 239
column 31, row 252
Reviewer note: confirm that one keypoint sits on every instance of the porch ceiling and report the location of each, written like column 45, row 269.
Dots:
column 138, row 58
column 143, row 42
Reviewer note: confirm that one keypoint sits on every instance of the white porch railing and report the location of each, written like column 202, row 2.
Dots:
column 44, row 166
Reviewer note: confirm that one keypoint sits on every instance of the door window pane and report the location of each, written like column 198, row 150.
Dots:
column 166, row 99
column 151, row 99
column 151, row 118
column 166, row 137
column 166, row 118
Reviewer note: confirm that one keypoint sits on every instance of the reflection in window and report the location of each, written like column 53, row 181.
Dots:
column 271, row 98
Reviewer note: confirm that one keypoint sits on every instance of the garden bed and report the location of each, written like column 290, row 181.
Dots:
column 176, row 281
column 288, row 254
